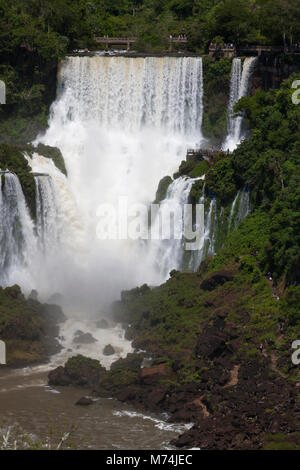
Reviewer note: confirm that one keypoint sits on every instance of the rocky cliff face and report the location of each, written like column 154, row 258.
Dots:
column 215, row 356
column 271, row 70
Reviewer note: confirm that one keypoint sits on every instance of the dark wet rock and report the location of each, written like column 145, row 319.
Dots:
column 54, row 154
column 58, row 376
column 212, row 344
column 83, row 338
column 13, row 291
column 162, row 189
column 102, row 324
column 109, row 350
column 79, row 370
column 206, row 367
column 29, row 328
column 132, row 362
column 217, row 279
column 151, row 375
column 54, row 312
column 136, row 292
column 55, row 298
column 33, row 295
column 53, row 317
column 128, row 394
column 84, row 401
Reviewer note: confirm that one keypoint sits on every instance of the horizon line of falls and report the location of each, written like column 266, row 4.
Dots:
column 121, row 124
column 240, row 80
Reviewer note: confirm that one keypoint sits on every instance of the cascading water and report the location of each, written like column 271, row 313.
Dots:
column 133, row 93
column 169, row 253
column 207, row 246
column 17, row 238
column 47, row 212
column 239, row 86
column 121, row 124
column 240, row 207
column 219, row 221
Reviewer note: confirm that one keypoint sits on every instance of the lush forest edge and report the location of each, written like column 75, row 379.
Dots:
column 170, row 321
column 36, row 34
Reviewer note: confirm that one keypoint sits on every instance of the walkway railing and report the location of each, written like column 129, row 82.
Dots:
column 115, row 41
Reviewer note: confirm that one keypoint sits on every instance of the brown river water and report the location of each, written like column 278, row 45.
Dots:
column 34, row 412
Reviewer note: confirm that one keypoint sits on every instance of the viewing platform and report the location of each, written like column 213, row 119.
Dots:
column 176, row 40
column 230, row 50
column 227, row 51
column 110, row 41
column 199, row 154
column 115, row 41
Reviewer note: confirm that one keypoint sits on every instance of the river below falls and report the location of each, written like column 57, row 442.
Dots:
column 44, row 414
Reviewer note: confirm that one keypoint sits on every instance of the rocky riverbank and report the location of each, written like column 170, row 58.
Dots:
column 213, row 355
column 28, row 327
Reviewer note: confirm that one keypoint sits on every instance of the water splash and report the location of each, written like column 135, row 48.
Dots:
column 169, row 254
column 122, row 124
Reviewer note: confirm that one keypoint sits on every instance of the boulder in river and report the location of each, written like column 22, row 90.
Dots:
column 109, row 350
column 79, row 370
column 33, row 295
column 84, row 401
column 103, row 324
column 83, row 338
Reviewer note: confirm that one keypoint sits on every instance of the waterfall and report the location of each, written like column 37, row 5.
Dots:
column 169, row 253
column 243, row 207
column 121, row 124
column 239, row 86
column 207, row 247
column 232, row 210
column 218, row 222
column 46, row 212
column 135, row 92
column 17, row 238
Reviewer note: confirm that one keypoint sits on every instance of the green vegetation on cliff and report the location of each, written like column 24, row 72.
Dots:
column 216, row 76
column 267, row 163
column 27, row 327
column 35, row 35
column 12, row 159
